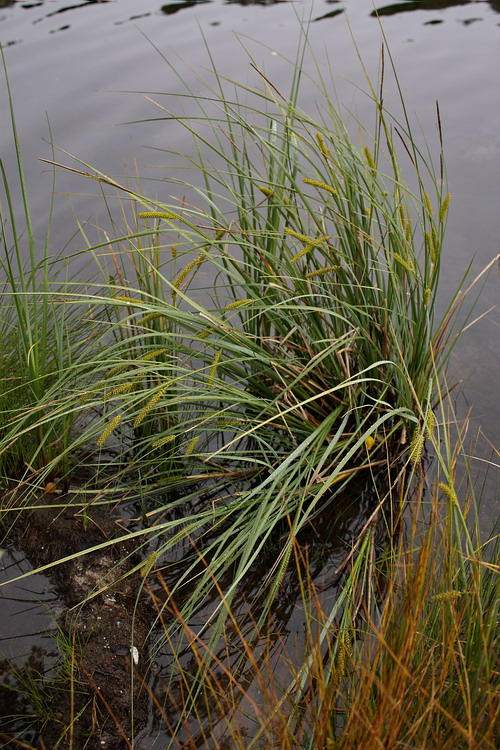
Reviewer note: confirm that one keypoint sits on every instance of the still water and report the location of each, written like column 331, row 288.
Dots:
column 81, row 66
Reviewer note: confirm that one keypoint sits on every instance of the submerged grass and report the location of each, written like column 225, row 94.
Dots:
column 278, row 341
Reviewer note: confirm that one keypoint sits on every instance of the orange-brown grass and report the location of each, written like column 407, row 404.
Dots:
column 407, row 661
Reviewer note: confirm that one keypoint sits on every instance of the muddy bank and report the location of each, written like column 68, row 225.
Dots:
column 106, row 631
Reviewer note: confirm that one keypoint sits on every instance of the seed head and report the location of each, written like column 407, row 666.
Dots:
column 430, row 423
column 158, row 215
column 150, row 405
column 239, row 303
column 109, row 429
column 443, row 211
column 192, row 445
column 163, row 440
column 321, row 271
column 428, row 204
column 416, row 447
column 369, row 158
column 322, row 145
column 267, row 191
column 320, row 185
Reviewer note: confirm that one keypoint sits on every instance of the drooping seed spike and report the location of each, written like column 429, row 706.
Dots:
column 428, row 204
column 369, row 158
column 163, row 440
column 150, row 405
column 109, row 429
column 443, row 211
column 302, row 237
column 189, row 267
column 213, row 369
column 148, row 318
column 239, row 303
column 191, row 446
column 306, row 249
column 449, row 492
column 416, row 447
column 408, row 264
column 320, row 185
column 430, row 423
column 321, row 271
column 152, row 355
column 132, row 300
column 322, row 145
column 158, row 215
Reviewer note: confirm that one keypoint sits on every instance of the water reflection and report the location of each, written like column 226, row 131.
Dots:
column 405, row 7
column 83, row 4
column 331, row 14
column 172, row 8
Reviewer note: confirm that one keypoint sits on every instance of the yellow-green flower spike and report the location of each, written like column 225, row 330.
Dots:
column 369, row 158
column 302, row 237
column 416, row 447
column 430, row 423
column 266, row 191
column 132, row 300
column 191, row 446
column 435, row 241
column 189, row 267
column 239, row 303
column 165, row 440
column 428, row 204
column 429, row 246
column 213, row 369
column 123, row 388
column 320, row 185
column 408, row 264
column 443, row 211
column 109, row 429
column 306, row 249
column 321, row 271
column 152, row 355
column 322, row 145
column 149, row 317
column 449, row 492
column 158, row 215
column 150, row 405
column 148, row 563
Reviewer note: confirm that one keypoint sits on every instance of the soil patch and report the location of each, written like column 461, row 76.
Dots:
column 106, row 631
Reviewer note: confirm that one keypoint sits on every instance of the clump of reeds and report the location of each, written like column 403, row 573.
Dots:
column 278, row 339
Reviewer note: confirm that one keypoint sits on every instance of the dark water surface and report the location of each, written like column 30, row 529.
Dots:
column 68, row 61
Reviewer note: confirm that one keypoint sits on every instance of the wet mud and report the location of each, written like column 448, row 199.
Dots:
column 103, row 621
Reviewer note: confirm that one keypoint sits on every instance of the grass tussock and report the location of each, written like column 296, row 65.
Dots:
column 253, row 348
